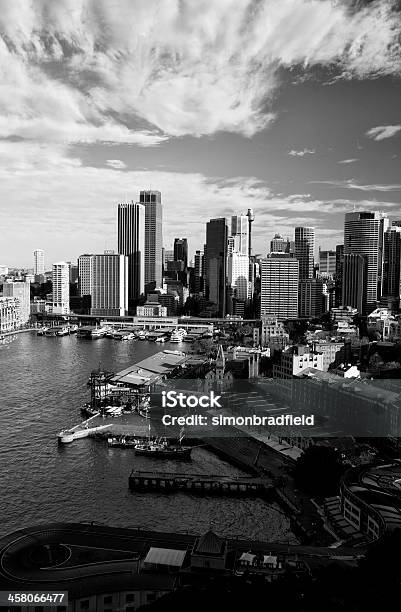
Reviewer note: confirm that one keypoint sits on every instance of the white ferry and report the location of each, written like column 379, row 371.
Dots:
column 178, row 335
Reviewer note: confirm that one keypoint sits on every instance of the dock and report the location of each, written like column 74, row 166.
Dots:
column 82, row 430
column 201, row 484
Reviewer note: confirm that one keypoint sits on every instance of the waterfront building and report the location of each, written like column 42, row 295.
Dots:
column 10, row 314
column 151, row 309
column 38, row 306
column 392, row 265
column 22, row 291
column 85, row 274
column 151, row 200
column 38, row 262
column 355, row 281
column 364, row 235
column 304, row 251
column 327, row 263
column 216, row 264
column 110, row 285
column 61, row 288
column 279, row 286
column 131, row 243
column 310, row 298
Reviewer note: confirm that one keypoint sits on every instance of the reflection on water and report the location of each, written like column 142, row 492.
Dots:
column 43, row 385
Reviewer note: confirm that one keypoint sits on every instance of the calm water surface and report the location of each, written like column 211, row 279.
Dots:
column 42, row 387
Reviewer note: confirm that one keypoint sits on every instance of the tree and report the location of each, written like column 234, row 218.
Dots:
column 318, row 471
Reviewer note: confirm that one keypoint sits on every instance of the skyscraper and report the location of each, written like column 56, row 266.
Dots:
column 238, row 275
column 304, row 250
column 310, row 297
column 38, row 262
column 110, row 284
column 355, row 276
column 240, row 234
column 280, row 245
column 181, row 251
column 151, row 200
column 198, row 272
column 364, row 235
column 131, row 242
column 61, row 288
column 279, row 286
column 339, row 274
column 85, row 274
column 216, row 263
column 327, row 263
column 22, row 291
column 392, row 264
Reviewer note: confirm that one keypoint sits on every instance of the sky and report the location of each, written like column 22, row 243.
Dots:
column 289, row 107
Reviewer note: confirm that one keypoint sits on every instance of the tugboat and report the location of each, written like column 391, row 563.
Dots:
column 159, row 448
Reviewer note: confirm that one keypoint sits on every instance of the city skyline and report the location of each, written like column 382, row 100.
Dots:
column 228, row 117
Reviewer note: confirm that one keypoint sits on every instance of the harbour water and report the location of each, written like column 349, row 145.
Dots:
column 42, row 387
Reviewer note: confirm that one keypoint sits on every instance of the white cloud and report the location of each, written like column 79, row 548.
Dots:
column 117, row 164
column 383, row 131
column 351, row 160
column 137, row 70
column 352, row 184
column 301, row 153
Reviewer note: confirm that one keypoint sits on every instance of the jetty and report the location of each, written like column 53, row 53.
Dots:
column 82, row 430
column 203, row 484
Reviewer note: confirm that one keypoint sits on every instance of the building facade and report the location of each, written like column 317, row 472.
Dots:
column 10, row 318
column 355, row 277
column 151, row 200
column 22, row 291
column 110, row 285
column 279, row 287
column 392, row 265
column 304, row 251
column 38, row 262
column 216, row 264
column 131, row 243
column 85, row 274
column 310, row 298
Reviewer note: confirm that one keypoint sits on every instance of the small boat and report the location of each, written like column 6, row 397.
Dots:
column 41, row 331
column 159, row 448
column 178, row 335
column 63, row 331
column 123, row 441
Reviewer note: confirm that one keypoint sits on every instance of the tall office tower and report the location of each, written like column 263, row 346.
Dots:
column 327, row 263
column 198, row 272
column 280, row 245
column 310, row 298
column 38, row 262
column 251, row 219
column 151, row 200
column 131, row 242
column 339, row 275
column 181, row 251
column 304, row 250
column 279, row 286
column 392, row 265
column 355, row 278
column 364, row 235
column 61, row 288
column 110, row 285
column 238, row 275
column 85, row 274
column 240, row 234
column 216, row 263
column 22, row 291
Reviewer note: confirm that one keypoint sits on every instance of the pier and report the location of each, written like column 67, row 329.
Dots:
column 201, row 484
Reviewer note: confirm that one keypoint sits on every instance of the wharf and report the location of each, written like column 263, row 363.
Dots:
column 211, row 484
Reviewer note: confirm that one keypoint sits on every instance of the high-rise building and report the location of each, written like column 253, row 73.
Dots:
column 151, row 200
column 364, row 235
column 216, row 263
column 38, row 262
column 392, row 264
column 240, row 234
column 238, row 274
column 327, row 263
column 310, row 298
column 279, row 286
column 131, row 242
column 22, row 291
column 198, row 272
column 85, row 274
column 110, row 285
column 304, row 251
column 281, row 245
column 355, row 276
column 61, row 288
column 339, row 274
column 181, row 251
column 10, row 314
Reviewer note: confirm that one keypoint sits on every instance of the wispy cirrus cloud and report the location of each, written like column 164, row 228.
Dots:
column 301, row 152
column 137, row 72
column 351, row 160
column 352, row 184
column 381, row 132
